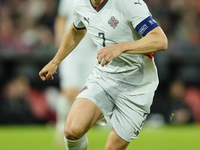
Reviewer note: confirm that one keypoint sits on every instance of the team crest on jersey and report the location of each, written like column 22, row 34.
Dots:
column 113, row 22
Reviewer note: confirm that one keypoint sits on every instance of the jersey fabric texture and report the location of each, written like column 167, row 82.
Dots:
column 75, row 69
column 113, row 22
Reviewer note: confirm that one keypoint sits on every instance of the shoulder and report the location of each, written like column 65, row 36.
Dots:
column 131, row 5
column 133, row 8
column 77, row 3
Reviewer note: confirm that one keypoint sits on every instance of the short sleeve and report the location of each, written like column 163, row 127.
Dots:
column 77, row 21
column 136, row 11
column 139, row 16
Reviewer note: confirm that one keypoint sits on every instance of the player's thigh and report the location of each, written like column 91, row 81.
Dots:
column 94, row 92
column 82, row 116
column 115, row 142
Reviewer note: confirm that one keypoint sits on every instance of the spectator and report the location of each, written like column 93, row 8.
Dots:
column 14, row 105
column 182, row 113
column 21, row 104
column 192, row 99
column 22, row 22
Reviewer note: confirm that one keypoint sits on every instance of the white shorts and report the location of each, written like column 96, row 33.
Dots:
column 127, row 113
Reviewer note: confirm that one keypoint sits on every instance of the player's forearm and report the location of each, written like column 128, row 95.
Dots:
column 70, row 41
column 154, row 41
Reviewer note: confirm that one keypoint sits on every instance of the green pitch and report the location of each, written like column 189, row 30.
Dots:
column 42, row 138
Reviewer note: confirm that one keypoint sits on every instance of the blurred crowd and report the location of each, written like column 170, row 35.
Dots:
column 27, row 27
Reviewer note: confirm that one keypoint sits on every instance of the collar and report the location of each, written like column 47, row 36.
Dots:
column 100, row 6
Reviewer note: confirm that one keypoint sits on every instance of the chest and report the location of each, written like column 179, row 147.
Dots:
column 108, row 22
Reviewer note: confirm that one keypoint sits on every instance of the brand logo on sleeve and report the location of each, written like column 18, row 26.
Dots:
column 138, row 2
column 87, row 19
column 113, row 22
column 85, row 88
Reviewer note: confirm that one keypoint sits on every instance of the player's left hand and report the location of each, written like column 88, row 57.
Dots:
column 108, row 54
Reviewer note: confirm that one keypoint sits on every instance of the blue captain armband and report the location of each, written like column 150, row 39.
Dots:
column 146, row 26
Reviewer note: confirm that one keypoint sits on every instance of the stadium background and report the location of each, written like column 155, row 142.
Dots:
column 27, row 113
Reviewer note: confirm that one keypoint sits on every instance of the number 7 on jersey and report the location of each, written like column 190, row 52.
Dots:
column 103, row 36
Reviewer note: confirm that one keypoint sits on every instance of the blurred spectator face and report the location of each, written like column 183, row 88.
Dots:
column 197, row 4
column 177, row 89
column 17, row 88
column 194, row 37
column 45, row 36
column 6, row 31
column 20, row 22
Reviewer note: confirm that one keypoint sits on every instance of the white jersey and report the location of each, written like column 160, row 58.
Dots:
column 117, row 21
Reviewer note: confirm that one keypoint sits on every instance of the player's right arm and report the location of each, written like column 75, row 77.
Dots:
column 71, row 39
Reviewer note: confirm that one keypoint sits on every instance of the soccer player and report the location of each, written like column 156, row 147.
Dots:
column 74, row 70
column 122, row 85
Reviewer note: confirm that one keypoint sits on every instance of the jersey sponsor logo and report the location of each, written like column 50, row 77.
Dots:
column 138, row 2
column 87, row 19
column 113, row 22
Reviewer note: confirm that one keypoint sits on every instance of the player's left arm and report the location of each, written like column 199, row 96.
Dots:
column 153, row 38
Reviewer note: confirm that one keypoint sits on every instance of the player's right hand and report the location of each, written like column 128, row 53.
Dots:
column 48, row 71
